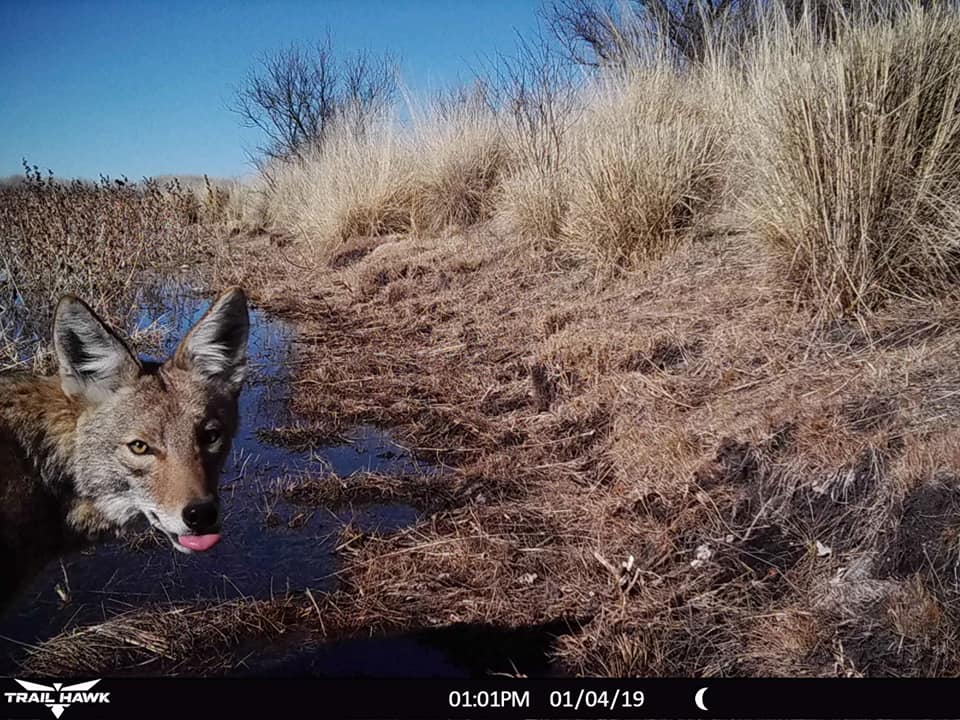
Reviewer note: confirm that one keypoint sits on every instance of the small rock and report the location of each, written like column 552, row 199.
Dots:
column 701, row 555
column 528, row 578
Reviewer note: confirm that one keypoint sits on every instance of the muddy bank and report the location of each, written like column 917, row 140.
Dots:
column 706, row 479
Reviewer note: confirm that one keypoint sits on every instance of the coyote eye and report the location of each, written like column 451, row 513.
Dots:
column 209, row 436
column 138, row 447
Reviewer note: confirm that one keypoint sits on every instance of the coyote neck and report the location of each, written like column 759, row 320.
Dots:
column 40, row 515
column 44, row 421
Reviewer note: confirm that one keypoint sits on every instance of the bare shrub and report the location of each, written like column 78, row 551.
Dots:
column 294, row 96
column 603, row 34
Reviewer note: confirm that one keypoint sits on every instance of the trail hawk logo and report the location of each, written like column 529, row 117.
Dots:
column 58, row 697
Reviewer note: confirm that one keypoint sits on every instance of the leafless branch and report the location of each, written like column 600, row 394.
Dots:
column 294, row 95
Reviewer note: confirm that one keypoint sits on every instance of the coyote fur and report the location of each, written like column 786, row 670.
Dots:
column 112, row 437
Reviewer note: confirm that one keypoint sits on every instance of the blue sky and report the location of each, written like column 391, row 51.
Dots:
column 141, row 88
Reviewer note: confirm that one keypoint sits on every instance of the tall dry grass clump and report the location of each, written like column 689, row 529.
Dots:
column 354, row 183
column 647, row 168
column 628, row 165
column 854, row 146
column 533, row 202
column 244, row 206
column 460, row 157
column 541, row 103
column 438, row 173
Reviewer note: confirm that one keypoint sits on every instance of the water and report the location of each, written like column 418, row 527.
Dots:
column 263, row 554
column 257, row 558
column 462, row 650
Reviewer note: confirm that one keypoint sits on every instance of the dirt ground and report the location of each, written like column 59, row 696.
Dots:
column 684, row 468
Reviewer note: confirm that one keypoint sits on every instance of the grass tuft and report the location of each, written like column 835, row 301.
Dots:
column 855, row 150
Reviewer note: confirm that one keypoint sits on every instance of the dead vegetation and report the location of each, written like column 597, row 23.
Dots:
column 722, row 453
column 854, row 152
column 170, row 639
column 96, row 240
column 711, row 481
column 426, row 492
column 829, row 133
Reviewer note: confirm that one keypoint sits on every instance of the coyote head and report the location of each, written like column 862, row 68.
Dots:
column 151, row 438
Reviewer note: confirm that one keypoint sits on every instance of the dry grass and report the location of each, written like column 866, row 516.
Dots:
column 95, row 240
column 647, row 169
column 438, row 177
column 109, row 242
column 533, row 202
column 431, row 492
column 681, row 462
column 632, row 178
column 855, row 148
column 461, row 155
column 637, row 168
column 708, row 476
column 213, row 198
column 352, row 185
column 839, row 150
column 172, row 639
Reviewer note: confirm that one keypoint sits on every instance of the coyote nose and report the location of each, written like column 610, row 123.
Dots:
column 201, row 516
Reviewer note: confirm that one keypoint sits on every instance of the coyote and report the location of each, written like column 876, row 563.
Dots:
column 111, row 437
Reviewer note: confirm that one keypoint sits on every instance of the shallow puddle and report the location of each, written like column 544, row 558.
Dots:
column 269, row 546
column 462, row 650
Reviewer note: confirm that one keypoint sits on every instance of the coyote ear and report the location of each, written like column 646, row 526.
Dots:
column 93, row 360
column 216, row 347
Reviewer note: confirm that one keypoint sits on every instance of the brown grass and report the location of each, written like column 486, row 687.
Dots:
column 682, row 462
column 533, row 203
column 633, row 178
column 709, row 476
column 172, row 639
column 439, row 176
column 96, row 240
column 647, row 169
column 428, row 492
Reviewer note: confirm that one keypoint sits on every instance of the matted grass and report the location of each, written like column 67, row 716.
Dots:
column 686, row 462
column 743, row 459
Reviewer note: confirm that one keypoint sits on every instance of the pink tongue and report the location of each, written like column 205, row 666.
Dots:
column 199, row 543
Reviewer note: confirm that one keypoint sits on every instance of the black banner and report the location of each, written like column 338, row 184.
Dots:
column 167, row 698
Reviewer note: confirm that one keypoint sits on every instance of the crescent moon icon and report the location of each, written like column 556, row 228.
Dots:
column 698, row 699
